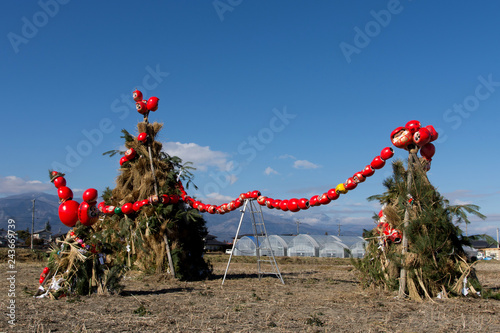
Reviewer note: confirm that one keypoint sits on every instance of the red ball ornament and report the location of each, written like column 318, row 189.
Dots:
column 422, row 137
column 243, row 196
column 314, row 201
column 144, row 202
column 303, row 204
column 413, row 126
column 212, row 209
column 152, row 103
column 358, row 177
column 46, row 271
column 255, row 194
column 174, row 198
column 127, row 208
column 68, row 213
column 54, row 173
column 130, row 154
column 59, row 182
column 110, row 210
column 142, row 137
column 238, row 203
column 323, row 199
column 202, row 207
column 137, row 95
column 293, row 204
column 434, row 133
column 332, row 194
column 269, row 203
column 428, row 151
column 386, row 153
column 276, row 203
column 261, row 200
column 165, row 199
column 136, row 206
column 350, row 184
column 102, row 207
column 64, row 193
column 141, row 107
column 377, row 163
column 401, row 137
column 41, row 280
column 368, row 171
column 123, row 159
column 87, row 214
column 284, row 205
column 90, row 195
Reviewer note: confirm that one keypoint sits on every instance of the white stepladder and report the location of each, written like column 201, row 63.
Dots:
column 263, row 251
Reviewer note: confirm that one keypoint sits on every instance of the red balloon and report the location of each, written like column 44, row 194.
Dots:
column 59, row 181
column 137, row 95
column 68, row 213
column 87, row 214
column 428, row 151
column 90, row 195
column 64, row 193
column 152, row 103
column 386, row 153
column 127, row 208
column 303, row 204
column 377, row 163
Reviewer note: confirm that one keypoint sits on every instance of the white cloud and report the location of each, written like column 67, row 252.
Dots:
column 202, row 157
column 270, row 171
column 287, row 156
column 304, row 164
column 217, row 199
column 16, row 185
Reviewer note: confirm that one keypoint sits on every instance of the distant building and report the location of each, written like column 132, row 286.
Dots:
column 43, row 234
column 212, row 244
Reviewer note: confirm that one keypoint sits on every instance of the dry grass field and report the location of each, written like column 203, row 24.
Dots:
column 319, row 295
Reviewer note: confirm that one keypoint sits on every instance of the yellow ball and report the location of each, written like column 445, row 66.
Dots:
column 341, row 188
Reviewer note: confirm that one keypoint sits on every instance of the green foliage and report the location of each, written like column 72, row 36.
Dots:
column 435, row 242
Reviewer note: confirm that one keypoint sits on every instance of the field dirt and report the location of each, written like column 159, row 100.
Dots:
column 319, row 295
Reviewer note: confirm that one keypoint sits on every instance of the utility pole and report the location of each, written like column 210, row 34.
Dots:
column 297, row 222
column 32, row 223
column 338, row 223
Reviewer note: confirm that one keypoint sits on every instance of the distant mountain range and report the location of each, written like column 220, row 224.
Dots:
column 19, row 207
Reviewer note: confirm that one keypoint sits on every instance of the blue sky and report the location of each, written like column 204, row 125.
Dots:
column 290, row 98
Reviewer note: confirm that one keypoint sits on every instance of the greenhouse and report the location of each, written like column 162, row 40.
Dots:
column 303, row 246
